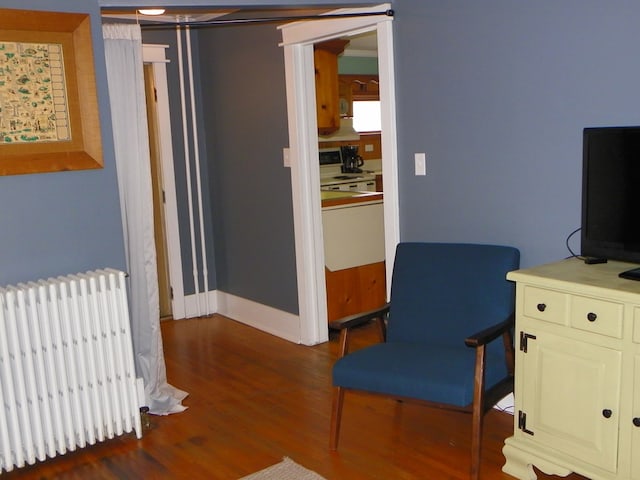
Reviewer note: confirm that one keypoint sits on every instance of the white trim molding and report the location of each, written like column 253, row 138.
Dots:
column 298, row 39
column 268, row 319
column 193, row 304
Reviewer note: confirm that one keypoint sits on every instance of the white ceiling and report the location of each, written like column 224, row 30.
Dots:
column 362, row 45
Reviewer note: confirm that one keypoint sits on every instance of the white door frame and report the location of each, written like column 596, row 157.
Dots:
column 298, row 39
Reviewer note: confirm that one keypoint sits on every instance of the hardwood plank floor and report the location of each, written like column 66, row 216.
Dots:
column 254, row 398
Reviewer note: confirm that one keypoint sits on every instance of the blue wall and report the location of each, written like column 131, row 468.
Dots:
column 497, row 94
column 59, row 223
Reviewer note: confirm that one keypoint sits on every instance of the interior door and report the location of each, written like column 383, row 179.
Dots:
column 164, row 287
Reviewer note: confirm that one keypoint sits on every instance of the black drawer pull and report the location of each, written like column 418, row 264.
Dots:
column 606, row 413
column 636, row 421
column 541, row 307
column 592, row 316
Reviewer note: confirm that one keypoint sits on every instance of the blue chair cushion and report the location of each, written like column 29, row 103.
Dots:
column 440, row 374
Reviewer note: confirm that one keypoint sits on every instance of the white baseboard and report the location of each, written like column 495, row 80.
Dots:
column 200, row 304
column 268, row 319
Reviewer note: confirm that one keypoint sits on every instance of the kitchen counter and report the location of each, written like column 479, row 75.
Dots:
column 332, row 198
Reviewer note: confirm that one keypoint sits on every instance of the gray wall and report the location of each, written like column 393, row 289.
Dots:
column 241, row 99
column 168, row 37
column 246, row 123
column 66, row 222
column 497, row 94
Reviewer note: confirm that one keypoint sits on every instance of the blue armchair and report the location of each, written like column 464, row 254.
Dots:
column 449, row 302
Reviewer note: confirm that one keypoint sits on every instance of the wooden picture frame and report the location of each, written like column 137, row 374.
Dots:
column 81, row 148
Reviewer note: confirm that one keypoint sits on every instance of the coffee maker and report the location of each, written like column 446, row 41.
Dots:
column 351, row 161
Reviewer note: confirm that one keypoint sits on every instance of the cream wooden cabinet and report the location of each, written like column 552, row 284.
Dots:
column 635, row 435
column 577, row 379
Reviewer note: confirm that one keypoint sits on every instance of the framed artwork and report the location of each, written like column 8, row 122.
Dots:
column 49, row 119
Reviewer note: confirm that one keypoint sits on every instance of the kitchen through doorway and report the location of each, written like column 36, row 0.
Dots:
column 298, row 40
column 350, row 161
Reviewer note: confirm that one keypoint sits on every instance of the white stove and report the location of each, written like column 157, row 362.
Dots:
column 333, row 178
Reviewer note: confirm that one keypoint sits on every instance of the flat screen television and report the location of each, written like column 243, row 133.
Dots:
column 611, row 194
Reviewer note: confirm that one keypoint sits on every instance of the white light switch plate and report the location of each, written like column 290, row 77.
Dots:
column 421, row 163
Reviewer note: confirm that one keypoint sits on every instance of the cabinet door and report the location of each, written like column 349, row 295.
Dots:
column 326, row 72
column 570, row 399
column 635, row 419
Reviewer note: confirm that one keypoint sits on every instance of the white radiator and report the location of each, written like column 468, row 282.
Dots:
column 67, row 377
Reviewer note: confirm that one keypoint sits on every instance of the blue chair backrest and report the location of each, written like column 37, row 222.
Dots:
column 443, row 292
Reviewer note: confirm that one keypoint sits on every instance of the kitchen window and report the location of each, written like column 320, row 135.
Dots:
column 367, row 116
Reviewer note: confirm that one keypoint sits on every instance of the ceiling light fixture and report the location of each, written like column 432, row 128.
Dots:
column 151, row 11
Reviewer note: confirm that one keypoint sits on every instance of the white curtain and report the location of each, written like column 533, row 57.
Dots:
column 123, row 52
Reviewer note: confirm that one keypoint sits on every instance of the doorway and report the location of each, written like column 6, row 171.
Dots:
column 298, row 40
column 154, row 59
column 159, row 221
column 351, row 190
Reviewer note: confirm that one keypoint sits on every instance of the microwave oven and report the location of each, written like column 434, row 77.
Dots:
column 330, row 156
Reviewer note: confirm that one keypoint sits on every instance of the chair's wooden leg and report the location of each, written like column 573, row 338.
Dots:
column 478, row 412
column 336, row 417
column 344, row 343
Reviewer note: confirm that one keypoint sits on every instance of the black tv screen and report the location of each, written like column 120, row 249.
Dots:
column 611, row 193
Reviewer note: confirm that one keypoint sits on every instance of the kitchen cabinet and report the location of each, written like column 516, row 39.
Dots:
column 379, row 187
column 325, row 57
column 577, row 377
column 363, row 87
column 356, row 87
column 354, row 290
column 635, row 410
column 353, row 231
column 369, row 145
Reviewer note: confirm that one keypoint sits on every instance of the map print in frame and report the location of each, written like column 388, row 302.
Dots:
column 49, row 115
column 33, row 99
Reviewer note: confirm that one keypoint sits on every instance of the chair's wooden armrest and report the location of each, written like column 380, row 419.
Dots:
column 359, row 318
column 491, row 333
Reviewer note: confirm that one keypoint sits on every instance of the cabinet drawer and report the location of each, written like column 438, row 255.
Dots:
column 547, row 305
column 597, row 316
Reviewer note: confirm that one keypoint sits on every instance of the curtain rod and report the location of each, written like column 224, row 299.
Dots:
column 239, row 21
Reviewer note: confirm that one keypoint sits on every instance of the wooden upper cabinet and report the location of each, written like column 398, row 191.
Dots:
column 356, row 87
column 363, row 87
column 325, row 58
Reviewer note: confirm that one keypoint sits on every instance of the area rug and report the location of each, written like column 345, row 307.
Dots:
column 285, row 470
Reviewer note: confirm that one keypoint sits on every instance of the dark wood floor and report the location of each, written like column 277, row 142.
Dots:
column 254, row 398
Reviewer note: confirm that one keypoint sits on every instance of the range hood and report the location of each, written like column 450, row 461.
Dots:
column 344, row 133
